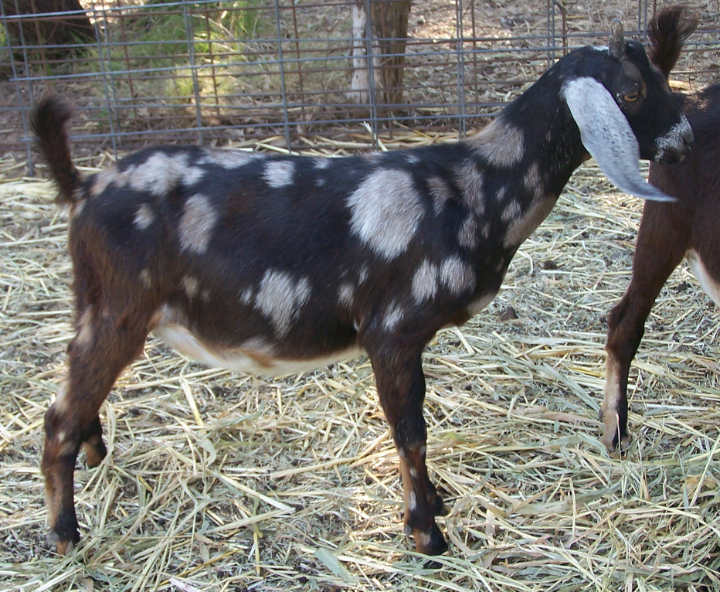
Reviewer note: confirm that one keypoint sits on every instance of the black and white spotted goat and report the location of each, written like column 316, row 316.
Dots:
column 270, row 263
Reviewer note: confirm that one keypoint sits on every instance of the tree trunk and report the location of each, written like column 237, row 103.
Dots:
column 390, row 22
column 390, row 26
column 48, row 30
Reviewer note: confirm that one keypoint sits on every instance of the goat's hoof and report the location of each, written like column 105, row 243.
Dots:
column 614, row 443
column 62, row 546
column 430, row 542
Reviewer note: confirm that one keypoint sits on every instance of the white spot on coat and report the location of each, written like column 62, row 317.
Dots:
column 501, row 193
column 425, row 282
column 79, row 205
column 61, row 399
column 440, row 192
column 533, row 179
column 144, row 217
column 522, row 227
column 161, row 173
column 279, row 173
column 346, row 294
column 196, row 224
column 500, row 143
column 85, row 327
column 321, row 163
column 228, row 159
column 675, row 139
column 385, row 212
column 456, row 275
column 145, row 278
column 246, row 296
column 102, row 179
column 393, row 315
column 363, row 275
column 190, row 285
column 467, row 237
column 412, row 501
column 469, row 178
column 511, row 211
column 157, row 175
column 280, row 299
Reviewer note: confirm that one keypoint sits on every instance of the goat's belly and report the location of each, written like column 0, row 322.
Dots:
column 255, row 355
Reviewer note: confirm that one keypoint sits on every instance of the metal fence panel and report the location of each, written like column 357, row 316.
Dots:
column 282, row 71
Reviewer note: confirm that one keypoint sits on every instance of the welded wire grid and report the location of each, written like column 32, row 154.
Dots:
column 280, row 71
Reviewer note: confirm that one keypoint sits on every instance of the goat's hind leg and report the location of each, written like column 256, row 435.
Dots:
column 97, row 355
column 401, row 387
column 93, row 445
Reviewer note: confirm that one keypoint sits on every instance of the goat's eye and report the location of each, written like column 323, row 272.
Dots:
column 631, row 97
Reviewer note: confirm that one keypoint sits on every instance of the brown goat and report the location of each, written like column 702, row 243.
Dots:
column 670, row 231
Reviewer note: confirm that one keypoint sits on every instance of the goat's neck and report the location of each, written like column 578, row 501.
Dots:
column 528, row 153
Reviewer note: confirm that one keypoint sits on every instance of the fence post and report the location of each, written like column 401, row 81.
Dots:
column 104, row 53
column 462, row 123
column 281, row 62
column 370, row 54
column 28, row 82
column 189, row 36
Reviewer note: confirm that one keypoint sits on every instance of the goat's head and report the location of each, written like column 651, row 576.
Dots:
column 624, row 110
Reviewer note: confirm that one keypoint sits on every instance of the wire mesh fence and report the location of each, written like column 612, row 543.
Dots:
column 289, row 73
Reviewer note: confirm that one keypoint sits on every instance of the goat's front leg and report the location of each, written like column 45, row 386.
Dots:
column 401, row 387
column 626, row 322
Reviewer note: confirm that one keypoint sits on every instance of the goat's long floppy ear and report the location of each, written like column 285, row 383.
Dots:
column 608, row 137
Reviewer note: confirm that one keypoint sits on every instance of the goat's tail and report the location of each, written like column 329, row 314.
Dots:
column 667, row 32
column 48, row 121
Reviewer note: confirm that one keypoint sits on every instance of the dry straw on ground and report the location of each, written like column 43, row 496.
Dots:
column 224, row 482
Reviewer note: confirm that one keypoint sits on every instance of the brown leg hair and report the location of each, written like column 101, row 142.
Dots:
column 662, row 224
column 401, row 387
column 102, row 348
